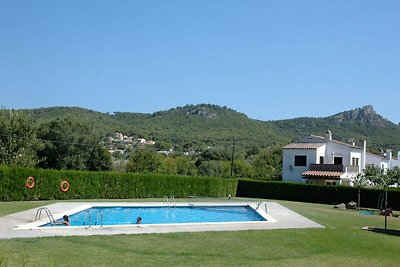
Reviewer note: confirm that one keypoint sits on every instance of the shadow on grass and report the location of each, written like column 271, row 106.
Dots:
column 382, row 231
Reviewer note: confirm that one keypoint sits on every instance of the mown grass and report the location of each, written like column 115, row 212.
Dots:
column 16, row 206
column 341, row 243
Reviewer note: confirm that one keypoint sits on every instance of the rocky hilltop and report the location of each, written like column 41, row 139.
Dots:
column 365, row 115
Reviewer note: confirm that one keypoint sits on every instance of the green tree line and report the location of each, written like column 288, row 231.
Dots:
column 58, row 144
column 265, row 165
column 70, row 143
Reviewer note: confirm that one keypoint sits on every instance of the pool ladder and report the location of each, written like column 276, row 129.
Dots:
column 48, row 213
column 88, row 218
column 169, row 201
column 265, row 206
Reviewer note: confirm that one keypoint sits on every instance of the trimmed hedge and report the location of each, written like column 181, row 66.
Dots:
column 106, row 185
column 316, row 193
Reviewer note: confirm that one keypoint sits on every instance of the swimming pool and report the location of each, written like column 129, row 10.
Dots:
column 127, row 215
column 25, row 225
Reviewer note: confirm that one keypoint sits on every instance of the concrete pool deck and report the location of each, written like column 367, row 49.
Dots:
column 21, row 224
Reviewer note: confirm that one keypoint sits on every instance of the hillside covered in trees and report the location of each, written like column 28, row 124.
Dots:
column 202, row 126
column 205, row 140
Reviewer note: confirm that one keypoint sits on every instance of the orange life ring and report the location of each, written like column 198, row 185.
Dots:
column 30, row 182
column 64, row 186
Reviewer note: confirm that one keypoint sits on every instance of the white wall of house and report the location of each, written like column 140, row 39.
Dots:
column 346, row 152
column 385, row 161
column 356, row 155
column 377, row 161
column 395, row 162
column 292, row 173
column 320, row 153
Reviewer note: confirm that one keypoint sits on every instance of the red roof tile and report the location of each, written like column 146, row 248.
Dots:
column 322, row 174
column 303, row 146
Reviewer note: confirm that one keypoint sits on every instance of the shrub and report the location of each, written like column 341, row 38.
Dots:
column 316, row 193
column 107, row 185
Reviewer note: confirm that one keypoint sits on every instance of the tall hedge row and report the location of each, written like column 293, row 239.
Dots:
column 316, row 193
column 106, row 185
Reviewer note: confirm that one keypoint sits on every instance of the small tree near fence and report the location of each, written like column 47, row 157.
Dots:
column 360, row 181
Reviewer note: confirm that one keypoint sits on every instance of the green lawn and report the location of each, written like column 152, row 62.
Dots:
column 342, row 243
column 12, row 207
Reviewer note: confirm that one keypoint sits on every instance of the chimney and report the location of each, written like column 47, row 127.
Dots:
column 328, row 135
column 364, row 155
column 388, row 154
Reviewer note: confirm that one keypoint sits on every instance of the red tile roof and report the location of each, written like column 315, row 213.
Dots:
column 335, row 141
column 322, row 174
column 303, row 145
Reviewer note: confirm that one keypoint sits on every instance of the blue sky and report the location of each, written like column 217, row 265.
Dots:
column 268, row 59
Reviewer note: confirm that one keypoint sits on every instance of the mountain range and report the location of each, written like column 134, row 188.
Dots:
column 205, row 125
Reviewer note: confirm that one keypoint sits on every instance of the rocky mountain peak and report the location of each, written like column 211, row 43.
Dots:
column 202, row 110
column 365, row 115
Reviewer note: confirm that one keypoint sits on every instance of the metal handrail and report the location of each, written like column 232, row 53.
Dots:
column 166, row 201
column 87, row 215
column 99, row 213
column 48, row 213
column 174, row 203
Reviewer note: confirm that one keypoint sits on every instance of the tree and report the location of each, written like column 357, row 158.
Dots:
column 215, row 154
column 73, row 144
column 185, row 166
column 374, row 174
column 252, row 151
column 382, row 178
column 18, row 139
column 167, row 165
column 359, row 180
column 393, row 176
column 213, row 168
column 99, row 160
column 143, row 160
column 268, row 164
column 241, row 169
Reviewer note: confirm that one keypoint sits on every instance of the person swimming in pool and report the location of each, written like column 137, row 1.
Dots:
column 139, row 220
column 65, row 221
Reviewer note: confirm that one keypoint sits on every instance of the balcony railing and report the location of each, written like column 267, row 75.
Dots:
column 334, row 168
column 327, row 167
column 352, row 168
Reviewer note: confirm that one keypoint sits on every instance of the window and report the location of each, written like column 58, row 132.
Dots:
column 328, row 183
column 338, row 160
column 355, row 161
column 321, row 160
column 300, row 160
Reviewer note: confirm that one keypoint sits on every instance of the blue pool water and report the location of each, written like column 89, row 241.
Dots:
column 164, row 215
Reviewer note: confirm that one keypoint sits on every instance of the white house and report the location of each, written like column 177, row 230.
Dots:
column 322, row 160
column 384, row 160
